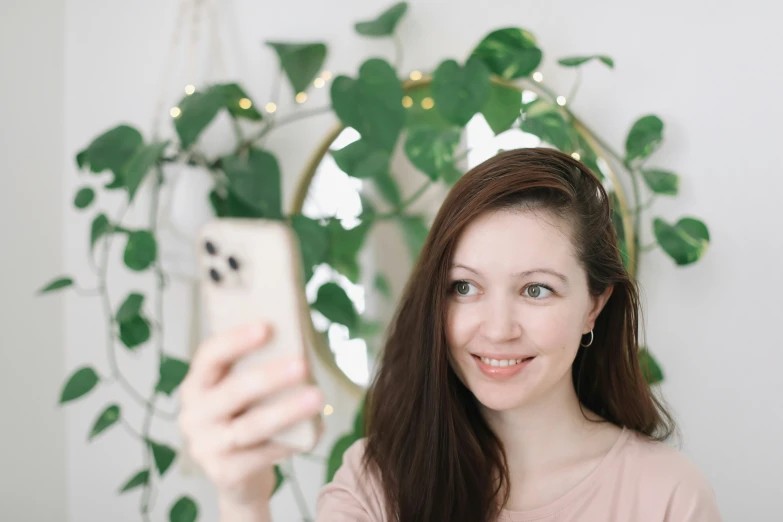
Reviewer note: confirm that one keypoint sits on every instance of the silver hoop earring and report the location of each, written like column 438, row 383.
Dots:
column 592, row 338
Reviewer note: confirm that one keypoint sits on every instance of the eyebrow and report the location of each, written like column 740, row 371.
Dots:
column 524, row 273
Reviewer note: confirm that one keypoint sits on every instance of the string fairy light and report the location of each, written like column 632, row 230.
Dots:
column 537, row 76
column 328, row 409
column 190, row 89
column 427, row 103
column 319, row 82
column 301, row 97
column 576, row 156
column 407, row 102
column 561, row 100
column 326, row 75
column 415, row 75
column 245, row 103
column 270, row 107
column 175, row 112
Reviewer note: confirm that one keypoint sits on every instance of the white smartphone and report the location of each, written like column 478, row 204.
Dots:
column 251, row 271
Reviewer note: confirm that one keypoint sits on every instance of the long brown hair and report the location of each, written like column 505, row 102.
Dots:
column 435, row 455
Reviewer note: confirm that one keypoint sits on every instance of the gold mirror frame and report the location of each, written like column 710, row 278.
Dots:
column 321, row 347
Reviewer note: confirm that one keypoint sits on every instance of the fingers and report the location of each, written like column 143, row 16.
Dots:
column 240, row 390
column 215, row 356
column 263, row 422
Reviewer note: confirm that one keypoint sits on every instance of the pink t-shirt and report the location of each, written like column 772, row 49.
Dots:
column 639, row 480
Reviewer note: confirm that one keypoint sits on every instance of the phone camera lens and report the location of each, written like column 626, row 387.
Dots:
column 210, row 247
column 233, row 263
column 214, row 275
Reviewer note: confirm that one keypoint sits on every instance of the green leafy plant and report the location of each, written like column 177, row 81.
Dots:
column 428, row 115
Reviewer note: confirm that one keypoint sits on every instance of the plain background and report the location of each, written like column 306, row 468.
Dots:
column 71, row 69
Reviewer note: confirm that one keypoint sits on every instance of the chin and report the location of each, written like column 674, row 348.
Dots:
column 500, row 398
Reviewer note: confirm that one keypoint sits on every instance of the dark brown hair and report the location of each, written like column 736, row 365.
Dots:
column 435, row 455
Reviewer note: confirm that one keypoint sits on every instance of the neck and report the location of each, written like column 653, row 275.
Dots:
column 543, row 433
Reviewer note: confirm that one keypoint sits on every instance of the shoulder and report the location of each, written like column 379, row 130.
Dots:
column 354, row 494
column 663, row 473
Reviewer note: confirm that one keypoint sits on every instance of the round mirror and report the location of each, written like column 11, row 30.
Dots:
column 381, row 214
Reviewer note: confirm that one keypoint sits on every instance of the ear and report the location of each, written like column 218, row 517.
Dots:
column 598, row 304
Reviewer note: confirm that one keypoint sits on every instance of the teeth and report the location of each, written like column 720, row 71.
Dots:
column 500, row 363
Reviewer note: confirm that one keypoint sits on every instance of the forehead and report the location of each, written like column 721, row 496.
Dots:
column 516, row 240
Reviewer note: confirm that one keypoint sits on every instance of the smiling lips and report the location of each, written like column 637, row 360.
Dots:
column 501, row 369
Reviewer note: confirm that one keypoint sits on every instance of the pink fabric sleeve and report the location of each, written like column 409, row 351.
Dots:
column 352, row 496
column 693, row 499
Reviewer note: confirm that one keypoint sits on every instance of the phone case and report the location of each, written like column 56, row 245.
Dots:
column 251, row 271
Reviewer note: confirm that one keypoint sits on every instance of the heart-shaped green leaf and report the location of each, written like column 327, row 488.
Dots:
column 135, row 331
column 57, row 284
column 84, row 198
column 388, row 188
column 184, row 509
column 587, row 155
column 100, row 227
column 279, row 479
column 503, row 108
column 335, row 305
column 385, row 23
column 82, row 159
column 230, row 205
column 645, row 136
column 662, row 181
column 451, row 174
column 685, row 242
column 371, row 104
column 460, row 92
column 509, row 53
column 142, row 161
column 254, row 178
column 382, row 285
column 360, row 160
column 421, row 111
column 172, row 373
column 112, row 149
column 197, row 111
column 300, row 62
column 415, row 231
column 163, row 456
column 650, row 368
column 140, row 251
column 336, row 455
column 313, row 242
column 106, row 419
column 432, row 150
column 80, row 383
column 139, row 479
column 344, row 247
column 130, row 308
column 238, row 103
column 544, row 120
column 575, row 61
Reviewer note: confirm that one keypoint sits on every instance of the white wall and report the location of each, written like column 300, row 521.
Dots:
column 706, row 69
column 32, row 429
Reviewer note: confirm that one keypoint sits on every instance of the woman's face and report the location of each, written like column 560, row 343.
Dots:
column 517, row 309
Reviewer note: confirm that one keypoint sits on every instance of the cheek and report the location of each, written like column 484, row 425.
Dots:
column 460, row 325
column 553, row 333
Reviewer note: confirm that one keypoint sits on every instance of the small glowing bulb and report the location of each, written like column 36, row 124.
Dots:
column 326, row 75
column 175, row 112
column 407, row 102
column 245, row 103
column 328, row 410
column 319, row 82
column 271, row 107
column 415, row 75
column 301, row 97
column 561, row 100
column 576, row 156
column 190, row 89
column 427, row 103
column 537, row 76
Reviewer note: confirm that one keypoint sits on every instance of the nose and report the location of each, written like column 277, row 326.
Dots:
column 500, row 322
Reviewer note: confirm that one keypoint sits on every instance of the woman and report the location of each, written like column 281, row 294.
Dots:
column 509, row 388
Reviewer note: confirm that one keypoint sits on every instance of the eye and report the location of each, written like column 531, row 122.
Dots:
column 535, row 290
column 462, row 288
